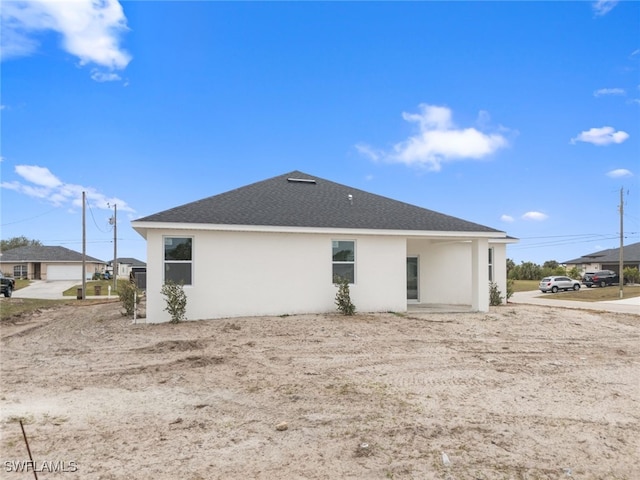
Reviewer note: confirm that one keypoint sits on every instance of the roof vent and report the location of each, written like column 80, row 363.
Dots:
column 301, row 180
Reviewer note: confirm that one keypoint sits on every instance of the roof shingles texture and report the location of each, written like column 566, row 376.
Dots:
column 278, row 201
column 43, row 253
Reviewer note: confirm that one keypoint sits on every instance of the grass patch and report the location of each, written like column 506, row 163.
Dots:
column 12, row 307
column 91, row 284
column 15, row 307
column 596, row 294
column 525, row 285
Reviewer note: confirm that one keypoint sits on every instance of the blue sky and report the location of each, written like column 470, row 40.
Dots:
column 522, row 116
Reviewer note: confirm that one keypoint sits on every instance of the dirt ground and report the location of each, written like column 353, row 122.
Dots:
column 521, row 392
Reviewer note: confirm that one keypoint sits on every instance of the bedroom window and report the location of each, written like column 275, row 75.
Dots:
column 178, row 260
column 344, row 260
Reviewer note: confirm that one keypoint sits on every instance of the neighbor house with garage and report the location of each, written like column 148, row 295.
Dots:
column 276, row 246
column 40, row 262
column 607, row 259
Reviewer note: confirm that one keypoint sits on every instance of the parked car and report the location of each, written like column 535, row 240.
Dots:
column 601, row 278
column 8, row 285
column 553, row 284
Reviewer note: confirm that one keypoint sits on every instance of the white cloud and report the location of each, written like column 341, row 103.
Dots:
column 438, row 141
column 41, row 176
column 369, row 151
column 507, row 218
column 619, row 172
column 42, row 184
column 99, row 76
column 90, row 29
column 602, row 7
column 537, row 216
column 601, row 136
column 609, row 91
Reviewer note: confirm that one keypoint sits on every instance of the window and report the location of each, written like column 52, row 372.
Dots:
column 178, row 264
column 344, row 260
column 20, row 271
column 491, row 264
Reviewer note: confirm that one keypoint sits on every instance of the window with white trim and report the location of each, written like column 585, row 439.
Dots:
column 20, row 271
column 343, row 260
column 178, row 260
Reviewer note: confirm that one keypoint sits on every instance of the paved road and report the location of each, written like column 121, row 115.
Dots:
column 536, row 297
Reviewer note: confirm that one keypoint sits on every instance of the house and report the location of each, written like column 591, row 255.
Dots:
column 47, row 263
column 127, row 266
column 275, row 247
column 131, row 268
column 607, row 259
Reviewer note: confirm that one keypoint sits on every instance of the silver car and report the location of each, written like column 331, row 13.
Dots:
column 553, row 284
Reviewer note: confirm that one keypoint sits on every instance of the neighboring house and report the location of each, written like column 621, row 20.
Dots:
column 607, row 259
column 274, row 247
column 131, row 268
column 127, row 265
column 47, row 263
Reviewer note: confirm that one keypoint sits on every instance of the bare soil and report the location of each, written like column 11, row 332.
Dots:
column 521, row 392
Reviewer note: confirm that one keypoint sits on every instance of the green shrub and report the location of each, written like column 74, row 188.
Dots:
column 510, row 288
column 176, row 301
column 129, row 297
column 495, row 296
column 343, row 297
column 631, row 274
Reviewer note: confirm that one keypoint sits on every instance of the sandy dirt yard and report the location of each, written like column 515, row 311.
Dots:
column 521, row 392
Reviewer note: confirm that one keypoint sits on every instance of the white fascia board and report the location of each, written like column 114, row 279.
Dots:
column 142, row 227
column 505, row 240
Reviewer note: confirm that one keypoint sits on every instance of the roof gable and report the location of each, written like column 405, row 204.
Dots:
column 631, row 253
column 41, row 253
column 297, row 199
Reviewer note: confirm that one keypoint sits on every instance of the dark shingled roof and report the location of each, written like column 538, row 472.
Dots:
column 34, row 253
column 297, row 199
column 630, row 253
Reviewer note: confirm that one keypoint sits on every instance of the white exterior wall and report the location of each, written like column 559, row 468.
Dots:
column 444, row 271
column 500, row 267
column 259, row 273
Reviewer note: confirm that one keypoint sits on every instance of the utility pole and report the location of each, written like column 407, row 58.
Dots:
column 114, row 221
column 84, row 246
column 621, row 254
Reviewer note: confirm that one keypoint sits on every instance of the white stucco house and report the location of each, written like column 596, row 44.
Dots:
column 274, row 247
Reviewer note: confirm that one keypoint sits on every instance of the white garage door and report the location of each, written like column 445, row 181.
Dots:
column 64, row 272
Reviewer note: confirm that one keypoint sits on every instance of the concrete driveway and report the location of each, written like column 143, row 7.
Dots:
column 46, row 290
column 536, row 297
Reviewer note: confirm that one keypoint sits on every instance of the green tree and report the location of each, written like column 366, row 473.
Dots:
column 510, row 265
column 574, row 273
column 631, row 274
column 16, row 242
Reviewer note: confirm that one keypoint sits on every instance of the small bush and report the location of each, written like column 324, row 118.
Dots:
column 510, row 288
column 176, row 301
column 129, row 297
column 495, row 295
column 343, row 297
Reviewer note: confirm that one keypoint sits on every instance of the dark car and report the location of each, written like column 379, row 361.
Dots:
column 8, row 285
column 601, row 278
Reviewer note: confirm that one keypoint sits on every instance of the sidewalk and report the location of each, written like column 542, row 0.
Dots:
column 536, row 297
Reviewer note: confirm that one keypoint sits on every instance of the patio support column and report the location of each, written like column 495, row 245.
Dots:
column 480, row 275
